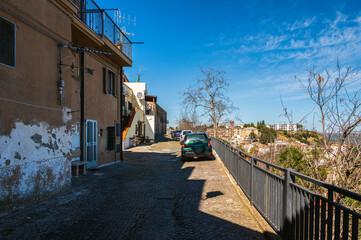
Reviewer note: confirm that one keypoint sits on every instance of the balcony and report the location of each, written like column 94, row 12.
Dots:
column 100, row 23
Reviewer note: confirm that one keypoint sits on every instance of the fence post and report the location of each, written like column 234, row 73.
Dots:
column 102, row 15
column 251, row 182
column 287, row 207
column 330, row 213
column 114, row 32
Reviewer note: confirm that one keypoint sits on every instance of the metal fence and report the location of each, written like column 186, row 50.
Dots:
column 293, row 211
column 100, row 22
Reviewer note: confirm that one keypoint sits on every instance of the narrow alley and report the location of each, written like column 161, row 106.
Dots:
column 151, row 195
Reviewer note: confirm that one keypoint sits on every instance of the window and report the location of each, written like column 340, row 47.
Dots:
column 194, row 137
column 149, row 109
column 110, row 138
column 89, row 71
column 7, row 42
column 110, row 82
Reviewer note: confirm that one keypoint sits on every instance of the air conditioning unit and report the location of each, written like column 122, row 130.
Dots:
column 140, row 95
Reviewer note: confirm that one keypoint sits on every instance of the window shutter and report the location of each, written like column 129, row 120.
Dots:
column 105, row 80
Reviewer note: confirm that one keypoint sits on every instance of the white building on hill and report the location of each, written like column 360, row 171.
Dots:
column 285, row 126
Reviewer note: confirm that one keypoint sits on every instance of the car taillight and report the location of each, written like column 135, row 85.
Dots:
column 209, row 144
column 183, row 145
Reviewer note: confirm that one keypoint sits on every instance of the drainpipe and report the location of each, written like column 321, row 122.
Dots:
column 121, row 113
column 61, row 81
column 82, row 122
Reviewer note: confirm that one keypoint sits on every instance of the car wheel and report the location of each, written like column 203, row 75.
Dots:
column 183, row 158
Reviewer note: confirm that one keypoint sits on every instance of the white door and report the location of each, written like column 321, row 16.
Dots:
column 91, row 153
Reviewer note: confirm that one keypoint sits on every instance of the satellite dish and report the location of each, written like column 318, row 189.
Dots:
column 140, row 95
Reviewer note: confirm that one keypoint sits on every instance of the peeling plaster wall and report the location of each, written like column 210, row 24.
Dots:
column 34, row 161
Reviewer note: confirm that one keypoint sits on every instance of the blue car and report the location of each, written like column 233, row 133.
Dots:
column 177, row 134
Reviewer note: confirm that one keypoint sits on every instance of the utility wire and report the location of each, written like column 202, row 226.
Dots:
column 31, row 105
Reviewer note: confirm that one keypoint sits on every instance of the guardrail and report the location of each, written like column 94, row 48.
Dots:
column 100, row 22
column 293, row 211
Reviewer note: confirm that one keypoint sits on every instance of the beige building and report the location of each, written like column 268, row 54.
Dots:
column 244, row 132
column 60, row 78
column 222, row 132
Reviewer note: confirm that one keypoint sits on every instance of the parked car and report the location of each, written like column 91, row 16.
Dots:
column 183, row 133
column 172, row 133
column 176, row 135
column 196, row 145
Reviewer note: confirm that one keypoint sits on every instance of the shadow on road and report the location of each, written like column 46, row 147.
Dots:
column 148, row 196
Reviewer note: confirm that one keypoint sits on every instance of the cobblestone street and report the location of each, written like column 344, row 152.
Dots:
column 151, row 195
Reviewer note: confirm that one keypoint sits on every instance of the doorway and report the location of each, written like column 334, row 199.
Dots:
column 91, row 153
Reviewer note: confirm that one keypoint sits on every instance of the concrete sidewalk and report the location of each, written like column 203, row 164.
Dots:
column 151, row 195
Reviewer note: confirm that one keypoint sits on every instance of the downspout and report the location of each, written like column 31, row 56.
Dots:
column 61, row 81
column 82, row 122
column 121, row 113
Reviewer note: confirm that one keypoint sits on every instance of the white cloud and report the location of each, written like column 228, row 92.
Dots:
column 340, row 18
column 334, row 38
column 297, row 97
column 209, row 44
column 301, row 24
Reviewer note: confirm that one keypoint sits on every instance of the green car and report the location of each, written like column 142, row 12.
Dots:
column 196, row 145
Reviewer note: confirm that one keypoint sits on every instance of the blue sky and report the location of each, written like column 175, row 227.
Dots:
column 261, row 45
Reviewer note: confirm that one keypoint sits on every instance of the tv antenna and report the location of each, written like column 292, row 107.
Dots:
column 122, row 20
column 138, row 80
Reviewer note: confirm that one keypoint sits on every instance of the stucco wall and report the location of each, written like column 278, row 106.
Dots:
column 139, row 116
column 127, row 143
column 35, row 131
column 149, row 129
column 100, row 106
column 136, row 88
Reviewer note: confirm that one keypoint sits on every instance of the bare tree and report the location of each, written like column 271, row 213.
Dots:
column 208, row 95
column 190, row 121
column 337, row 96
column 286, row 114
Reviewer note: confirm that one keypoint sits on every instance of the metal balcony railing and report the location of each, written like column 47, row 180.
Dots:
column 292, row 210
column 100, row 22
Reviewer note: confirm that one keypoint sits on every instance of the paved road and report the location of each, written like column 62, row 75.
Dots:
column 151, row 195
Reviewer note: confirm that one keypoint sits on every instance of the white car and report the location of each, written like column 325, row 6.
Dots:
column 183, row 133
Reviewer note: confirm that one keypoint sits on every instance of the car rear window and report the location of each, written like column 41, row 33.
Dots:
column 193, row 137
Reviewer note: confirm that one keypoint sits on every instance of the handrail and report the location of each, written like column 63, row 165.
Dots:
column 292, row 210
column 102, row 24
column 111, row 20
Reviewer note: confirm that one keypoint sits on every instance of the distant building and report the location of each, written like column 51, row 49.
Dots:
column 244, row 132
column 285, row 126
column 222, row 132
